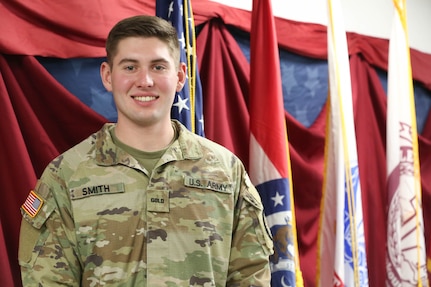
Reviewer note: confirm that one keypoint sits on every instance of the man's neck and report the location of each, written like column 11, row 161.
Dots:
column 146, row 138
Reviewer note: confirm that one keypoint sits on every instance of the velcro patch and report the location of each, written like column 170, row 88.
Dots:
column 32, row 204
column 205, row 183
column 86, row 191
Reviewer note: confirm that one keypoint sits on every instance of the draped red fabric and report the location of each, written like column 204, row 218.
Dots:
column 16, row 173
column 425, row 164
column 306, row 146
column 6, row 277
column 78, row 28
column 42, row 119
column 369, row 101
column 425, row 169
column 224, row 72
column 63, row 30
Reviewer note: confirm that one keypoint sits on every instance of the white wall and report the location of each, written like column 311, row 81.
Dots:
column 367, row 17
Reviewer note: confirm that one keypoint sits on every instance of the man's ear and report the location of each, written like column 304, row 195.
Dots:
column 182, row 76
column 105, row 75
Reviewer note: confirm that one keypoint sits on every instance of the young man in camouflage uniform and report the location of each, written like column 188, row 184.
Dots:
column 144, row 202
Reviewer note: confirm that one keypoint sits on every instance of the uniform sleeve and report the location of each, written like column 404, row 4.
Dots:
column 252, row 243
column 46, row 246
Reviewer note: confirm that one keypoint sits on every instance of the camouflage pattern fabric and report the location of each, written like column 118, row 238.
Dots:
column 101, row 220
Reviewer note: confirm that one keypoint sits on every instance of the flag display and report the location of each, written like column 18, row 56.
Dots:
column 269, row 150
column 342, row 256
column 187, row 107
column 405, row 256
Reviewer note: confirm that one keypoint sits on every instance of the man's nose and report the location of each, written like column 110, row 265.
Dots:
column 144, row 79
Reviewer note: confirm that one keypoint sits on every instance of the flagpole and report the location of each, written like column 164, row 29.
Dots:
column 190, row 63
column 299, row 280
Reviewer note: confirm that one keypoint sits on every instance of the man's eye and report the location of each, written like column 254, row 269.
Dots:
column 129, row 68
column 159, row 67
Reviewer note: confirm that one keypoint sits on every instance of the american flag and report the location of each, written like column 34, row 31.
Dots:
column 188, row 106
column 32, row 204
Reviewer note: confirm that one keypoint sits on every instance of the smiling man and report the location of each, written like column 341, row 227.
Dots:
column 144, row 202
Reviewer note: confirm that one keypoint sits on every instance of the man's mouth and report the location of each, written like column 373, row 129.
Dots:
column 145, row 99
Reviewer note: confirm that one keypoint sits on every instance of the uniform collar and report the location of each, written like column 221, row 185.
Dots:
column 185, row 147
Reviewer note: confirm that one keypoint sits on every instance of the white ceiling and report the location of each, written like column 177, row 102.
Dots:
column 367, row 17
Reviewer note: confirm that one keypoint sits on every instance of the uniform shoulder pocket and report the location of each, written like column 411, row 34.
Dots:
column 28, row 239
column 36, row 209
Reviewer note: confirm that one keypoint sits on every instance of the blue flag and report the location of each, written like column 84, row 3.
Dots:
column 187, row 107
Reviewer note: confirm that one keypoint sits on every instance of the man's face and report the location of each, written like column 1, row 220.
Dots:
column 143, row 80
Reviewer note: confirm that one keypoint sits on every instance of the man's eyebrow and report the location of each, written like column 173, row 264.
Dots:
column 127, row 60
column 160, row 60
column 131, row 60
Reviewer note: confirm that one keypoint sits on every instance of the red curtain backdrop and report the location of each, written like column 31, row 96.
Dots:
column 41, row 119
column 224, row 72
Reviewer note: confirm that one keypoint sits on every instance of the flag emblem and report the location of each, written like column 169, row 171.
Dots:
column 32, row 204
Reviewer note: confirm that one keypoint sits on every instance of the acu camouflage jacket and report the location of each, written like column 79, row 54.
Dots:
column 97, row 218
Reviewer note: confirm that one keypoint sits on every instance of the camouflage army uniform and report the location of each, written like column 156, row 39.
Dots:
column 104, row 221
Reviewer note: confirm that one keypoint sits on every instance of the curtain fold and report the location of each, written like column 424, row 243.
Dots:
column 7, row 277
column 63, row 29
column 369, row 100
column 225, row 75
column 40, row 120
column 28, row 26
column 306, row 155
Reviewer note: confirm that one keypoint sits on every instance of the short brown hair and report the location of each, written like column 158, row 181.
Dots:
column 143, row 26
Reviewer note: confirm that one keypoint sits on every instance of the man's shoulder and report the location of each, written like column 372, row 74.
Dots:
column 88, row 144
column 196, row 146
column 203, row 143
column 82, row 151
column 214, row 146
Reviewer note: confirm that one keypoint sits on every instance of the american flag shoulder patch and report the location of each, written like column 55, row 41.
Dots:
column 32, row 204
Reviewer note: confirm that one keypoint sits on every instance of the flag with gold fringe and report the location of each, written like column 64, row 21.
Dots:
column 405, row 254
column 188, row 105
column 341, row 244
column 269, row 150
